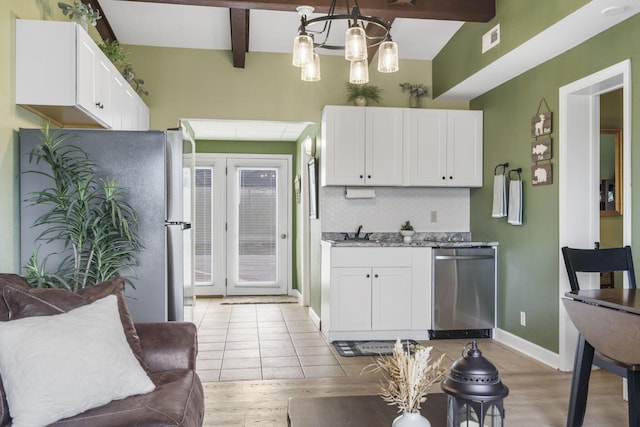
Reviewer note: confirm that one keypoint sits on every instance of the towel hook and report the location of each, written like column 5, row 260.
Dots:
column 518, row 171
column 504, row 167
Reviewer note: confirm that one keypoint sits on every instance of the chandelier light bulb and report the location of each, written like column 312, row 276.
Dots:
column 388, row 57
column 302, row 50
column 311, row 70
column 359, row 72
column 355, row 45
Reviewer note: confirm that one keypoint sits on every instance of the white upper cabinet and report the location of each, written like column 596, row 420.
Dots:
column 383, row 150
column 62, row 75
column 414, row 147
column 94, row 79
column 443, row 148
column 343, row 145
column 425, row 150
column 464, row 148
column 361, row 146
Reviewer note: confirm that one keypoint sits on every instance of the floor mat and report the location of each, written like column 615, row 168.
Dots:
column 263, row 299
column 368, row 348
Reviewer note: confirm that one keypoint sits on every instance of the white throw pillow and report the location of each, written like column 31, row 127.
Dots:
column 58, row 366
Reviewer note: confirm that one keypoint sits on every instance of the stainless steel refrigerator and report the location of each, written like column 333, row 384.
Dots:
column 156, row 169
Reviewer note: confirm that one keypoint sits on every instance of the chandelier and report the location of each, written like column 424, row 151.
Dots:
column 314, row 33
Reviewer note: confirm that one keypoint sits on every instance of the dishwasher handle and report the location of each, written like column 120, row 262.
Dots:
column 464, row 257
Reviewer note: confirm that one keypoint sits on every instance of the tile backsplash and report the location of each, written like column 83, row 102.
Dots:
column 392, row 206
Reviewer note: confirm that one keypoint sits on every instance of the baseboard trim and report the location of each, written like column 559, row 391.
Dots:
column 296, row 293
column 314, row 317
column 528, row 348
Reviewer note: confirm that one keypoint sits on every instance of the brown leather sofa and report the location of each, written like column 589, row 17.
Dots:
column 169, row 350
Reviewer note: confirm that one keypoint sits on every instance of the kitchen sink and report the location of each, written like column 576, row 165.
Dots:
column 353, row 237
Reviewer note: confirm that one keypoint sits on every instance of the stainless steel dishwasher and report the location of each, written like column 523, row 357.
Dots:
column 463, row 292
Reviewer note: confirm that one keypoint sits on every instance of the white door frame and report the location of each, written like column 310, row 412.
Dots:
column 219, row 268
column 284, row 230
column 305, row 237
column 579, row 218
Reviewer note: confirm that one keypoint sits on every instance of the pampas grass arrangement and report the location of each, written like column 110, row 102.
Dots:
column 408, row 375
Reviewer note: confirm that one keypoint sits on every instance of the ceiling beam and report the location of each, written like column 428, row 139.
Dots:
column 239, row 35
column 451, row 10
column 102, row 24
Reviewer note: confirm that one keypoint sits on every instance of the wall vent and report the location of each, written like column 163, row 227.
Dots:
column 491, row 38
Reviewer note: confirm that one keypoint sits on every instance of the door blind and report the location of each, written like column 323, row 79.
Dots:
column 257, row 224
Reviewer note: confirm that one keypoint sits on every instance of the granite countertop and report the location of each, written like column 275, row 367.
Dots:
column 391, row 240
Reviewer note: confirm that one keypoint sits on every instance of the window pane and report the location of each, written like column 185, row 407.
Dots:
column 257, row 225
column 203, row 214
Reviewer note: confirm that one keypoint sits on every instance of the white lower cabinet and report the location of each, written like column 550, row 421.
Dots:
column 375, row 293
column 351, row 298
column 390, row 295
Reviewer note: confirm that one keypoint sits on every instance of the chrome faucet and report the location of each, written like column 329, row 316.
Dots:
column 358, row 232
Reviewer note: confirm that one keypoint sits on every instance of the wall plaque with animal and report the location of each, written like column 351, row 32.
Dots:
column 541, row 124
column 541, row 150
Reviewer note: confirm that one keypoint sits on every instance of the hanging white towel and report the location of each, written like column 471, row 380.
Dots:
column 515, row 202
column 499, row 196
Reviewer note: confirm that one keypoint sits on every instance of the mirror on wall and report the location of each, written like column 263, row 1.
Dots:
column 610, row 172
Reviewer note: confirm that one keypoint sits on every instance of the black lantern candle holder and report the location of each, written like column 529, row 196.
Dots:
column 475, row 391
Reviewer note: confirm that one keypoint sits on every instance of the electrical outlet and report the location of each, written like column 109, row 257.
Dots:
column 433, row 216
column 523, row 318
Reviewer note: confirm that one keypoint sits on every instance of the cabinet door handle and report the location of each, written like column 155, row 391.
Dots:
column 444, row 177
column 450, row 177
column 368, row 176
column 375, row 275
column 361, row 176
column 368, row 275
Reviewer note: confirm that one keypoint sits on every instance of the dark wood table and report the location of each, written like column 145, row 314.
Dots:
column 358, row 411
column 608, row 321
column 620, row 299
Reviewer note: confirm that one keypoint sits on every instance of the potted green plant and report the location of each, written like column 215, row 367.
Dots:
column 407, row 231
column 416, row 91
column 362, row 94
column 80, row 13
column 137, row 83
column 87, row 216
column 115, row 53
column 120, row 59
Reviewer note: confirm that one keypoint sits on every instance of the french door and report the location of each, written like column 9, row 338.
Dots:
column 243, row 225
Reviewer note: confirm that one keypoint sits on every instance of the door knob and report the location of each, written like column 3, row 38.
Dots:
column 283, row 236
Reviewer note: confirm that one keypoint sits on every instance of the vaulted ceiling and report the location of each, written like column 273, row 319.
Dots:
column 420, row 27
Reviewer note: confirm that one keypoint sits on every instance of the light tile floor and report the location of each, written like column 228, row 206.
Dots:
column 264, row 341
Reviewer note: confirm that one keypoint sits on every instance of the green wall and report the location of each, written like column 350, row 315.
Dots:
column 193, row 83
column 519, row 21
column 529, row 254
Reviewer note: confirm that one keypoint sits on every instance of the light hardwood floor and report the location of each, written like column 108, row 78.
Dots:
column 538, row 394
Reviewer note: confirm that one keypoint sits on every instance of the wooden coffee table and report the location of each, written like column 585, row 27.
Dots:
column 358, row 411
